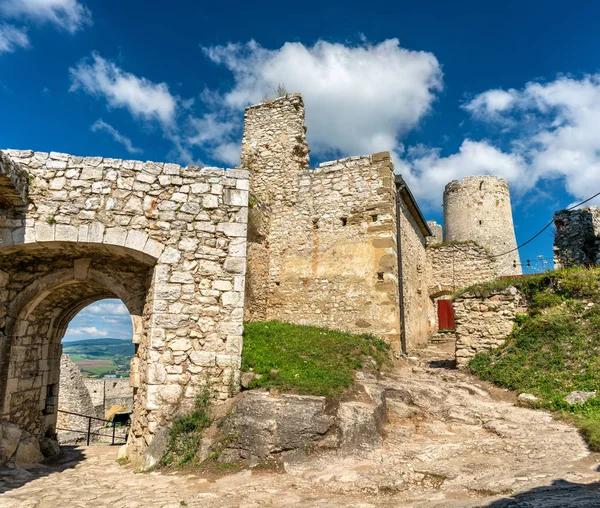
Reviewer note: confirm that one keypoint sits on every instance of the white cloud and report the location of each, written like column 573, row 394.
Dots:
column 101, row 125
column 68, row 15
column 492, row 102
column 143, row 98
column 107, row 308
column 555, row 129
column 92, row 331
column 12, row 38
column 359, row 99
column 427, row 173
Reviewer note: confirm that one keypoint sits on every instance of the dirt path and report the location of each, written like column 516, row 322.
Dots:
column 449, row 443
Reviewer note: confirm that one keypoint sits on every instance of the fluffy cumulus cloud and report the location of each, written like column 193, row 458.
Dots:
column 68, row 15
column 427, row 173
column 12, row 38
column 143, row 98
column 552, row 131
column 359, row 98
column 101, row 126
column 106, row 318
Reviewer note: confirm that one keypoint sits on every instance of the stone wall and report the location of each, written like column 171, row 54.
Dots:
column 414, row 277
column 109, row 392
column 73, row 396
column 437, row 233
column 577, row 237
column 478, row 208
column 484, row 322
column 170, row 242
column 456, row 266
column 324, row 248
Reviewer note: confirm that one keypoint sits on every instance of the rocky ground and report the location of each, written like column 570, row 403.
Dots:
column 450, row 441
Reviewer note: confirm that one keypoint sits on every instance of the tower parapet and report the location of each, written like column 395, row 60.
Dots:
column 478, row 208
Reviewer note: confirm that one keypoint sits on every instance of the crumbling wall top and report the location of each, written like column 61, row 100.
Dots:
column 13, row 182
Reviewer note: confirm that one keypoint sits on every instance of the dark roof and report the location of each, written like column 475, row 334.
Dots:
column 412, row 205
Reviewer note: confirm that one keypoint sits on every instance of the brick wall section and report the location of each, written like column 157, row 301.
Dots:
column 484, row 322
column 577, row 237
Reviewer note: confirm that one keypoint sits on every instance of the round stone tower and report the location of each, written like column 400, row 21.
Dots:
column 478, row 208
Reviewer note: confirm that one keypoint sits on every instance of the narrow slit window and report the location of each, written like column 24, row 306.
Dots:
column 344, row 221
column 374, row 217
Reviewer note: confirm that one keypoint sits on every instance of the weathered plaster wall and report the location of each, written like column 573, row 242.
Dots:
column 478, row 208
column 577, row 237
column 186, row 226
column 484, row 322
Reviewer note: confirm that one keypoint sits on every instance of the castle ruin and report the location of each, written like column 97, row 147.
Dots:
column 192, row 254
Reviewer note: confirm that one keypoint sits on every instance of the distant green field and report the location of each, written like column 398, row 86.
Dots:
column 97, row 357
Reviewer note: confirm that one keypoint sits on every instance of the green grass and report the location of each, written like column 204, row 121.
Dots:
column 555, row 349
column 99, row 371
column 185, row 434
column 308, row 360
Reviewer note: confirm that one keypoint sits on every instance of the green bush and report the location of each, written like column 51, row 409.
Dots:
column 185, row 434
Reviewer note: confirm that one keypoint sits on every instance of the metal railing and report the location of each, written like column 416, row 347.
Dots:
column 89, row 432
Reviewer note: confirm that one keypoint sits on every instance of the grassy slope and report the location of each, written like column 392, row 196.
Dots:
column 555, row 349
column 309, row 360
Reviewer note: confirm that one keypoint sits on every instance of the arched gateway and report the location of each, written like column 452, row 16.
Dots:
column 170, row 242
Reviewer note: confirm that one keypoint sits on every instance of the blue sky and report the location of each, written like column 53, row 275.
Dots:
column 451, row 88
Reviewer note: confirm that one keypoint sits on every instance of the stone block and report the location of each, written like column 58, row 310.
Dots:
column 115, row 236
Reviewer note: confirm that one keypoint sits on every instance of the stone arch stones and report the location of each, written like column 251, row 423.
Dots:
column 170, row 242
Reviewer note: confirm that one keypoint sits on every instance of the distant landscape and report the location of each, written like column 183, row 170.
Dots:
column 99, row 357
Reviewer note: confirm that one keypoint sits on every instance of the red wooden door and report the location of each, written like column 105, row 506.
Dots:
column 445, row 315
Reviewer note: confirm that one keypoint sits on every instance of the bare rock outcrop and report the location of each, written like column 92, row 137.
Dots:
column 261, row 426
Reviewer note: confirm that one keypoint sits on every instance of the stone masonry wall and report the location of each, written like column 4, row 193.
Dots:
column 73, row 396
column 484, row 322
column 414, row 277
column 187, row 225
column 326, row 252
column 577, row 237
column 456, row 266
column 109, row 392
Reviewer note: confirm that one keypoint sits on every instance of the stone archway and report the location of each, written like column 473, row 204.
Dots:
column 53, row 292
column 185, row 226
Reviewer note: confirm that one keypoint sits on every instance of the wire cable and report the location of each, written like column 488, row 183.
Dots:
column 543, row 229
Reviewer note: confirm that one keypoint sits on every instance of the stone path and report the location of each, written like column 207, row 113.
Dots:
column 451, row 441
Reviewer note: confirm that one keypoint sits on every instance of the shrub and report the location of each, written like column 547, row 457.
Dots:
column 185, row 434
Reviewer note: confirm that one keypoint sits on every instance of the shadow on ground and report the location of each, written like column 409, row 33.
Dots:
column 68, row 458
column 561, row 494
